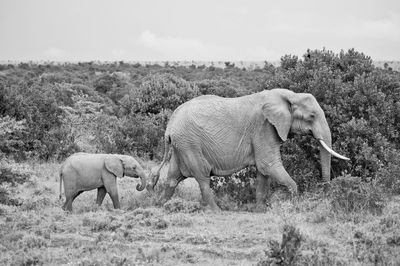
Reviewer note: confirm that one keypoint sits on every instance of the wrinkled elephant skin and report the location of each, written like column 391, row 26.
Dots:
column 211, row 135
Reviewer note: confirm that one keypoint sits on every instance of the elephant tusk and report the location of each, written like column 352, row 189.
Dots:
column 332, row 151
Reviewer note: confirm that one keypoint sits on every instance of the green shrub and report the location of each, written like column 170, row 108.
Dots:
column 10, row 174
column 158, row 92
column 49, row 111
column 288, row 251
column 373, row 249
column 317, row 252
column 350, row 194
column 142, row 134
column 388, row 177
column 240, row 187
column 11, row 135
column 361, row 104
column 7, row 199
column 37, row 105
column 223, row 88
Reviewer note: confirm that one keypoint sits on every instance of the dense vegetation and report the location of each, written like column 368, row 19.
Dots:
column 48, row 111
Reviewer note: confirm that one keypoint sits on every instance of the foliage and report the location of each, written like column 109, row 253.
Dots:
column 388, row 177
column 288, row 251
column 142, row 134
column 240, row 187
column 350, row 194
column 11, row 135
column 361, row 104
column 49, row 111
column 159, row 92
column 10, row 176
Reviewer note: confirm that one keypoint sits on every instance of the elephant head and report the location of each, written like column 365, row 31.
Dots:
column 124, row 165
column 300, row 113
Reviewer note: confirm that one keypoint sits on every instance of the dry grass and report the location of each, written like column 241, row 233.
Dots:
column 182, row 232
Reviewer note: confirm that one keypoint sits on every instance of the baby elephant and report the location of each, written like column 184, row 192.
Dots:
column 85, row 171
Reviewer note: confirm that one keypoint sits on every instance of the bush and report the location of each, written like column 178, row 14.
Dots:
column 49, row 111
column 142, row 134
column 159, row 92
column 6, row 199
column 11, row 135
column 37, row 106
column 223, row 88
column 350, row 194
column 388, row 177
column 360, row 103
column 288, row 251
column 240, row 187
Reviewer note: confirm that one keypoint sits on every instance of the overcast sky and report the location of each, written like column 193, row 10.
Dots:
column 159, row 30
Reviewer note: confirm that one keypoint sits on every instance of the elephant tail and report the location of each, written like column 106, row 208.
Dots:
column 61, row 180
column 167, row 157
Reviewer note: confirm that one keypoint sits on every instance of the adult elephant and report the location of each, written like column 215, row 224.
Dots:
column 85, row 171
column 211, row 135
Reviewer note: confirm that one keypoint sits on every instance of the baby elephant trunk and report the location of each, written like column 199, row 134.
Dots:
column 143, row 179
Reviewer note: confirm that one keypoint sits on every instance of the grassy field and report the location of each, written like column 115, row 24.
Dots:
column 303, row 231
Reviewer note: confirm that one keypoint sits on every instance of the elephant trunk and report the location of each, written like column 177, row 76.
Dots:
column 325, row 159
column 323, row 134
column 143, row 179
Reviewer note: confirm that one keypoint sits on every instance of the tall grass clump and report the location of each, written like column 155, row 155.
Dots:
column 349, row 194
column 288, row 251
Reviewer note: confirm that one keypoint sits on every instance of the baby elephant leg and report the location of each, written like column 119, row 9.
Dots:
column 101, row 193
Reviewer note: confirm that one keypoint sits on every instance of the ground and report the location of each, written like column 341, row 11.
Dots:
column 183, row 232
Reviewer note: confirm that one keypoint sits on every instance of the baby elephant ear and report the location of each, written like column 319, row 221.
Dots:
column 114, row 165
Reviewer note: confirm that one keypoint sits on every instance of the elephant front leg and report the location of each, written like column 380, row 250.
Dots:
column 101, row 193
column 113, row 192
column 114, row 197
column 278, row 173
column 263, row 189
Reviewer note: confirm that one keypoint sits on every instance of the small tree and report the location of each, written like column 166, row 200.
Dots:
column 11, row 135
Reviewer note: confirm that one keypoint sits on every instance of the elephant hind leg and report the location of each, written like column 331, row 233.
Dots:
column 174, row 177
column 206, row 193
column 101, row 193
column 69, row 198
column 201, row 170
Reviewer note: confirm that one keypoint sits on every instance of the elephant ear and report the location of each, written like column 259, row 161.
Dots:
column 114, row 165
column 277, row 111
